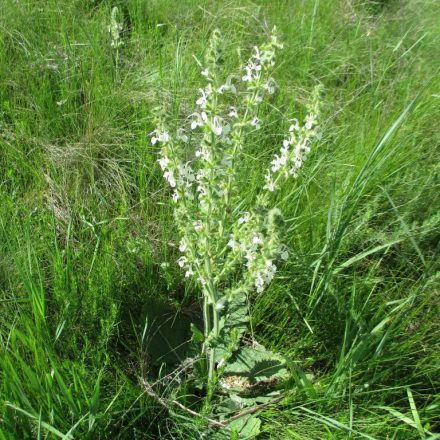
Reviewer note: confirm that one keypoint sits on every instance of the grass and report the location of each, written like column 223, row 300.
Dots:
column 85, row 224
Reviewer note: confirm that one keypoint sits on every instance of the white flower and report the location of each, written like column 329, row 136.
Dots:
column 270, row 184
column 259, row 283
column 160, row 137
column 206, row 93
column 244, row 218
column 202, row 100
column 170, row 178
column 203, row 153
column 294, row 126
column 205, row 72
column 217, row 127
column 293, row 173
column 228, row 86
column 182, row 136
column 248, row 76
column 186, row 174
column 231, row 243
column 250, row 256
column 257, row 240
column 257, row 57
column 256, row 123
column 276, row 164
column 269, row 263
column 175, row 196
column 183, row 245
column 270, row 86
column 310, row 121
column 270, row 271
column 201, row 190
column 253, row 69
column 189, row 272
column 196, row 123
column 200, row 119
column 284, row 254
column 163, row 162
column 233, row 113
column 182, row 261
column 198, row 225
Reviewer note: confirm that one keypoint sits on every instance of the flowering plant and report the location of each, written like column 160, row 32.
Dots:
column 229, row 249
column 115, row 29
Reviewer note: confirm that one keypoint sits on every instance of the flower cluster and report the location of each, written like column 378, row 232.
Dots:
column 295, row 148
column 203, row 187
column 115, row 29
column 256, row 241
column 256, row 69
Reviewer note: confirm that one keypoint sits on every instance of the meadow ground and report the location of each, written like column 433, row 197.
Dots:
column 86, row 224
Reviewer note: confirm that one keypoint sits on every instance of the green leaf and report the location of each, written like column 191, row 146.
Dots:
column 37, row 419
column 365, row 254
column 94, row 401
column 235, row 323
column 415, row 414
column 257, row 364
column 247, row 427
column 197, row 335
column 254, row 371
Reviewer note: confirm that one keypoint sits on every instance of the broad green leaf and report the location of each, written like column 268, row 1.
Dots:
column 247, row 427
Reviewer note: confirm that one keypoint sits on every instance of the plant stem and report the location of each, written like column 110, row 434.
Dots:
column 211, row 299
column 206, row 317
column 216, row 330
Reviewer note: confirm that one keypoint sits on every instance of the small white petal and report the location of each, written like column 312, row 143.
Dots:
column 182, row 246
